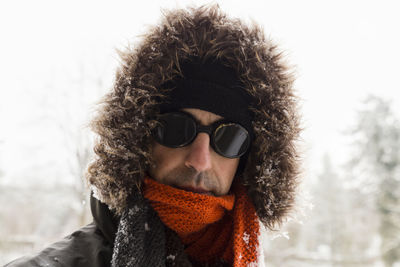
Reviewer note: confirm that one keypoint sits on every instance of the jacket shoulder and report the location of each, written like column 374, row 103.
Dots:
column 85, row 247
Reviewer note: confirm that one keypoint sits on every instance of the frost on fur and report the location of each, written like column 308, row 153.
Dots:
column 125, row 114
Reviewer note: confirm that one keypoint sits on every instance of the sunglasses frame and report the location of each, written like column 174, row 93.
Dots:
column 211, row 130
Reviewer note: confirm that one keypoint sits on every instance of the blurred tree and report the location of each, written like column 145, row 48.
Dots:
column 377, row 160
column 88, row 84
column 329, row 210
column 340, row 230
column 342, row 236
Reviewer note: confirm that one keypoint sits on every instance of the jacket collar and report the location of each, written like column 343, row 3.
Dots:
column 104, row 219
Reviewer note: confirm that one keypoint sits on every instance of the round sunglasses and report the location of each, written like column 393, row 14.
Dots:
column 179, row 129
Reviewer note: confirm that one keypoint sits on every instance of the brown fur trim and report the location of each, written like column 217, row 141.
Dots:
column 124, row 119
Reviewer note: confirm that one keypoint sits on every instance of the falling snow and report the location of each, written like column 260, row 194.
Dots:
column 246, row 238
column 146, row 227
column 171, row 257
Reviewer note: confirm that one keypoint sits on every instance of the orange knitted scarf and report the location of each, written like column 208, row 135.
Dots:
column 211, row 227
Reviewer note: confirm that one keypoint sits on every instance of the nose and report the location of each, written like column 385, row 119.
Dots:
column 199, row 156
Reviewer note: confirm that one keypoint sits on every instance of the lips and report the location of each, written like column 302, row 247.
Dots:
column 197, row 190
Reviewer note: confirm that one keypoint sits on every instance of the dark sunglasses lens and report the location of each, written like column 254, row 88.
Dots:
column 231, row 140
column 174, row 130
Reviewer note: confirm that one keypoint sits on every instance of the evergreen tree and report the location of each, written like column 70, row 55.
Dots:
column 377, row 161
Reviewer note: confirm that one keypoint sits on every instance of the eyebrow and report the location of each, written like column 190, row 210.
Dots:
column 198, row 121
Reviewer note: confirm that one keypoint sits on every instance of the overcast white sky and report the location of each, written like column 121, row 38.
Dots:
column 343, row 50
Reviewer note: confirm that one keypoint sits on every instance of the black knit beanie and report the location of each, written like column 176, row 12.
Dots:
column 212, row 87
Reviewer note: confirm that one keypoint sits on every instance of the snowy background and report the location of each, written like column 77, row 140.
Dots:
column 57, row 58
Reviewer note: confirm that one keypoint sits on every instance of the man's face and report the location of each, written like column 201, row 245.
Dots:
column 195, row 167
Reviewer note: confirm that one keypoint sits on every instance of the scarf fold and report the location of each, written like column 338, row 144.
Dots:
column 211, row 228
column 140, row 239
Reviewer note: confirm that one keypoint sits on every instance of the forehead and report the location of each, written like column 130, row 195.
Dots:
column 204, row 117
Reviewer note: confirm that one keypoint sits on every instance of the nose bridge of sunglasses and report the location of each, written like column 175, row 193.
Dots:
column 204, row 129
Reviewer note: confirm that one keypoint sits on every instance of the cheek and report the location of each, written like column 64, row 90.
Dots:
column 225, row 170
column 165, row 159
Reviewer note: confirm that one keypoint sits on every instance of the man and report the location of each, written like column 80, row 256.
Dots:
column 195, row 149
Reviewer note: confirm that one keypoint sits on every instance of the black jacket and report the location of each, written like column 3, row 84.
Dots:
column 89, row 246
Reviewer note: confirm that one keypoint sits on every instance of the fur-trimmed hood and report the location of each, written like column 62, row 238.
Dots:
column 125, row 116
